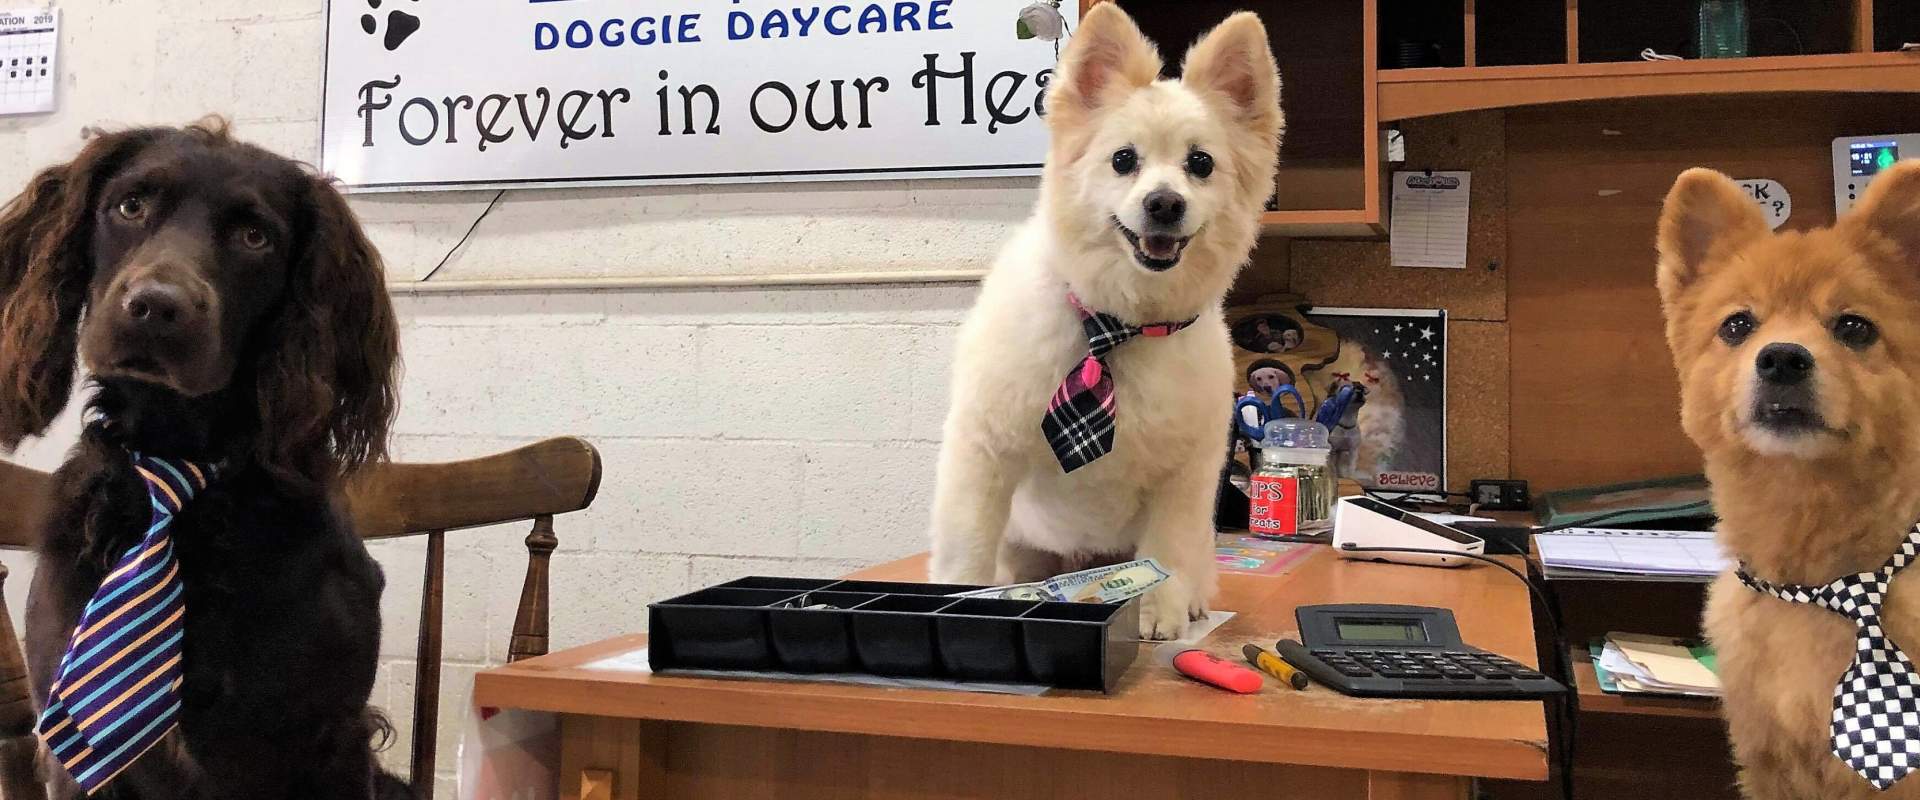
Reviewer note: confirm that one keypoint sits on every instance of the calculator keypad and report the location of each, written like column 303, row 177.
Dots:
column 1424, row 664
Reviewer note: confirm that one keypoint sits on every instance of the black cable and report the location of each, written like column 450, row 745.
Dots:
column 1569, row 702
column 1552, row 618
column 464, row 237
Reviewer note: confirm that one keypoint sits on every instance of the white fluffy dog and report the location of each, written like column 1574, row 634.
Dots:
column 1149, row 205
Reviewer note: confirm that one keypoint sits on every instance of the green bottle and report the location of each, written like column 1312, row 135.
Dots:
column 1723, row 29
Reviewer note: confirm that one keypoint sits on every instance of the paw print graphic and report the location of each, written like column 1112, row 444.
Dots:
column 400, row 24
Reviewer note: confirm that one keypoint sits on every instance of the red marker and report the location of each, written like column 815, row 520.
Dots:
column 1210, row 669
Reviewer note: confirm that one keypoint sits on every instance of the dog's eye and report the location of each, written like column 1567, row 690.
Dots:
column 132, row 207
column 1735, row 329
column 1125, row 160
column 253, row 238
column 1199, row 163
column 1855, row 331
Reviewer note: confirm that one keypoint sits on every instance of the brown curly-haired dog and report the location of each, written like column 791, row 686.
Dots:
column 1799, row 363
column 230, row 312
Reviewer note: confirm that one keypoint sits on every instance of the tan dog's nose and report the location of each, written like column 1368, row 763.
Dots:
column 1783, row 364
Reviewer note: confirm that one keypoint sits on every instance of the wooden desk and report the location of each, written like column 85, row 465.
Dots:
column 627, row 736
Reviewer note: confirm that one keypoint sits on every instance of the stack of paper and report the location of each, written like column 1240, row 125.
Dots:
column 1627, row 554
column 1630, row 663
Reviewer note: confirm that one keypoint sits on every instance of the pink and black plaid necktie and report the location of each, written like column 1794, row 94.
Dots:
column 1080, row 417
column 118, row 690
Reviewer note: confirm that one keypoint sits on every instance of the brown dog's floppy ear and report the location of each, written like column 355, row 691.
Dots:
column 1891, row 209
column 1704, row 210
column 44, row 272
column 1234, row 62
column 1106, row 58
column 326, row 379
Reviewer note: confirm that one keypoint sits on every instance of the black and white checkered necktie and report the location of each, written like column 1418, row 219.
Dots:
column 1876, row 704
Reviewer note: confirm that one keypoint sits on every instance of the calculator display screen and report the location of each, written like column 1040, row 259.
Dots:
column 1372, row 630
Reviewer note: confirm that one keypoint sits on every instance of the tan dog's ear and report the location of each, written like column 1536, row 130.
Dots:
column 1235, row 62
column 1891, row 208
column 1704, row 210
column 1106, row 58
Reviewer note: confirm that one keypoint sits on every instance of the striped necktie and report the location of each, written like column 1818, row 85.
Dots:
column 118, row 689
column 1080, row 416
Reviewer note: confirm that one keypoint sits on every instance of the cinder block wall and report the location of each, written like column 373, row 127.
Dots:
column 755, row 430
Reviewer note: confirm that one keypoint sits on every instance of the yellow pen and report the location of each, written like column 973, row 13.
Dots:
column 1271, row 664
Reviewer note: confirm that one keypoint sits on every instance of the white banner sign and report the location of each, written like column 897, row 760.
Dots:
column 491, row 93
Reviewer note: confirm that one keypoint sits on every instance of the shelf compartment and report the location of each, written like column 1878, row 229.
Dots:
column 1329, row 155
column 1594, row 700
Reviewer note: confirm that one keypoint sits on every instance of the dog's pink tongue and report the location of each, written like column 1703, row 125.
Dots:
column 1160, row 246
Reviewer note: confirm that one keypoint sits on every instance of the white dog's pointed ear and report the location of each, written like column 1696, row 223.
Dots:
column 1891, row 208
column 1106, row 58
column 1235, row 62
column 1703, row 210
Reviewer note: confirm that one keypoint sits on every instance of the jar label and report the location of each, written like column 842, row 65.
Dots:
column 1275, row 507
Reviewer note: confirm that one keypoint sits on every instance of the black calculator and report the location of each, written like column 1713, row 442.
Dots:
column 1404, row 651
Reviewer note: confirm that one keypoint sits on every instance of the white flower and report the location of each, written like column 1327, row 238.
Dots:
column 1043, row 20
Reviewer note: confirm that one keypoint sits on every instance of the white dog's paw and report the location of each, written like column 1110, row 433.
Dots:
column 1165, row 611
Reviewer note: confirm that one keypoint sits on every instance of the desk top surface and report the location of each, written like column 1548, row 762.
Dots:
column 1153, row 711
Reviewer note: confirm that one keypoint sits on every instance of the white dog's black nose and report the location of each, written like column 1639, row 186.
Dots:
column 1783, row 364
column 1165, row 206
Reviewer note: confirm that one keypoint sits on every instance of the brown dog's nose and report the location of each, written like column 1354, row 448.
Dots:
column 158, row 307
column 1165, row 206
column 1783, row 364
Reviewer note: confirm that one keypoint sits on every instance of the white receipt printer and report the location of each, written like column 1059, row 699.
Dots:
column 1363, row 522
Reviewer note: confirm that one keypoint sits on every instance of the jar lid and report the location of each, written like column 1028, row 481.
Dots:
column 1308, row 456
column 1294, row 432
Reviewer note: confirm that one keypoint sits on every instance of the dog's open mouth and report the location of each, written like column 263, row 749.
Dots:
column 1789, row 419
column 1155, row 251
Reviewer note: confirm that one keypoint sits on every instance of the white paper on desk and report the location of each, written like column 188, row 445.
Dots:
column 28, row 67
column 636, row 662
column 1202, row 628
column 1429, row 227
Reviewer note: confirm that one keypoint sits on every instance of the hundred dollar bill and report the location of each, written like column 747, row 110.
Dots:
column 1110, row 584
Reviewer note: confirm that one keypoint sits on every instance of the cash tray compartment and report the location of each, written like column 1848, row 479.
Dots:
column 765, row 624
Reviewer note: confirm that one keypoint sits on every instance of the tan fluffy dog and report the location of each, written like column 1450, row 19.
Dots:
column 1149, row 205
column 1799, row 363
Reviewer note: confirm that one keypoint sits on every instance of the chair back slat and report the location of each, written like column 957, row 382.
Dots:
column 426, row 670
column 530, row 621
column 556, row 476
column 23, row 491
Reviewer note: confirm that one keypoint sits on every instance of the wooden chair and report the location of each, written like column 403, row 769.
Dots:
column 533, row 483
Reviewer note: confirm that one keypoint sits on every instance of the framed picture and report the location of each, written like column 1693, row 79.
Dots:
column 1392, row 433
